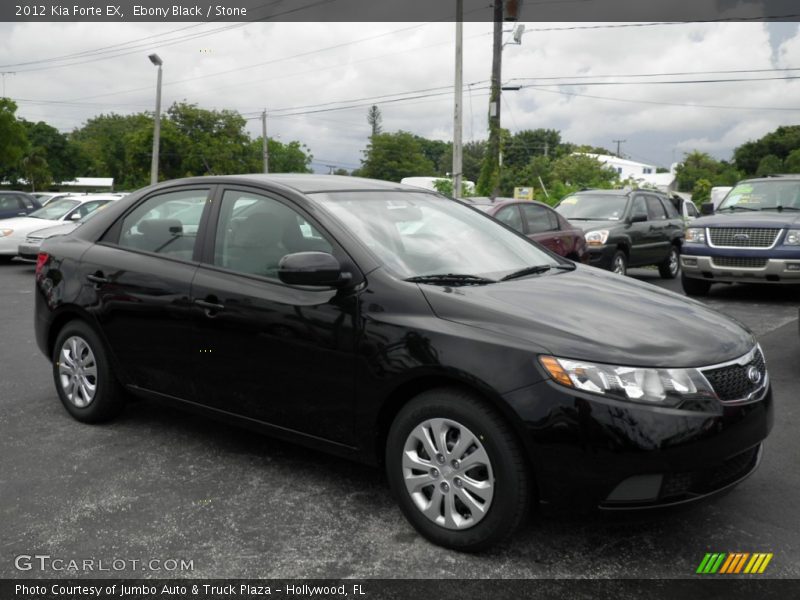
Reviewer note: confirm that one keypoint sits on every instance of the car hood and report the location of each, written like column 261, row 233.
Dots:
column 24, row 225
column 592, row 225
column 770, row 218
column 591, row 314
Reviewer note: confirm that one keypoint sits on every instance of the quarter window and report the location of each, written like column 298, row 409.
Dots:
column 255, row 232
column 165, row 224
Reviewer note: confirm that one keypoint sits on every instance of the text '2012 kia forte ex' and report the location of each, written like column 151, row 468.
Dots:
column 394, row 326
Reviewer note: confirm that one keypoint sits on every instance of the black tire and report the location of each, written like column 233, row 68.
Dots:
column 508, row 472
column 694, row 287
column 619, row 263
column 107, row 400
column 5, row 259
column 671, row 266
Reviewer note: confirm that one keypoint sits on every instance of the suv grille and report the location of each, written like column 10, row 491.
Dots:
column 743, row 237
column 739, row 263
column 732, row 383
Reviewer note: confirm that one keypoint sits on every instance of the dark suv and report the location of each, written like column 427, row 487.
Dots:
column 753, row 237
column 17, row 204
column 627, row 229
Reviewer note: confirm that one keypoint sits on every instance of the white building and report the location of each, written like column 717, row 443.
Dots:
column 640, row 173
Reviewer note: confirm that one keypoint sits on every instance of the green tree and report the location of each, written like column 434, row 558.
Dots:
column 438, row 152
column 63, row 158
column 13, row 141
column 445, row 187
column 524, row 145
column 699, row 165
column 579, row 171
column 769, row 165
column 792, row 162
column 374, row 119
column 392, row 156
column 35, row 168
column 781, row 143
column 701, row 192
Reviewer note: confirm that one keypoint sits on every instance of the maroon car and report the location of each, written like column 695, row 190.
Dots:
column 537, row 221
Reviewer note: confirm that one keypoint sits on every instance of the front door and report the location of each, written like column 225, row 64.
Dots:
column 279, row 354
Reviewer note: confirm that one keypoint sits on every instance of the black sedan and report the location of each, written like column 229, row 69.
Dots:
column 393, row 326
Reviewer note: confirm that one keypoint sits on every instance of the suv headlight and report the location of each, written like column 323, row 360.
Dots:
column 665, row 387
column 696, row 235
column 597, row 238
column 792, row 237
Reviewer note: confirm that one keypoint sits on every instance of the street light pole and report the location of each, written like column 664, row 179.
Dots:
column 458, row 94
column 156, row 60
column 265, row 145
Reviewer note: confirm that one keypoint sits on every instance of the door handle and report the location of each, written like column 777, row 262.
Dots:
column 97, row 278
column 209, row 306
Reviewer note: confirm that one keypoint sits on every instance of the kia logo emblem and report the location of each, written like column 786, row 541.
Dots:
column 753, row 374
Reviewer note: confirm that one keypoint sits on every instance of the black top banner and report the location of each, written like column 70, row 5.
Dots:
column 397, row 10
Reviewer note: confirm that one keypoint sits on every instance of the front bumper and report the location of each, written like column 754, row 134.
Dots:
column 766, row 270
column 601, row 256
column 592, row 452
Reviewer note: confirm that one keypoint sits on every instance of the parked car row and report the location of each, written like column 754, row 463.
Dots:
column 22, row 235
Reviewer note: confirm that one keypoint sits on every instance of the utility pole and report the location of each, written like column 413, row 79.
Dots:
column 156, row 60
column 489, row 182
column 458, row 96
column 4, row 73
column 264, row 140
column 618, row 142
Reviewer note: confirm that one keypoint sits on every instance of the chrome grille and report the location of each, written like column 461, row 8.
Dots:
column 743, row 237
column 739, row 263
column 731, row 383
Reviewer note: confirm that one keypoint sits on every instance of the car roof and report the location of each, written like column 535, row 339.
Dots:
column 309, row 183
column 776, row 177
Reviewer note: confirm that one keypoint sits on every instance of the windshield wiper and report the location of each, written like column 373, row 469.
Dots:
column 734, row 207
column 535, row 270
column 452, row 279
column 780, row 208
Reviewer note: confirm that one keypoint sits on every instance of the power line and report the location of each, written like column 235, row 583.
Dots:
column 675, row 74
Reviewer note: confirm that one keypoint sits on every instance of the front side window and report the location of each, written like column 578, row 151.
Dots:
column 255, row 232
column 417, row 234
column 165, row 224
column 639, row 208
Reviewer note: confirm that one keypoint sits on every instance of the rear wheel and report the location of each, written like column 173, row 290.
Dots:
column 619, row 264
column 82, row 374
column 671, row 266
column 457, row 471
column 695, row 287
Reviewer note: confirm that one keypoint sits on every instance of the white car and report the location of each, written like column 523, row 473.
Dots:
column 65, row 210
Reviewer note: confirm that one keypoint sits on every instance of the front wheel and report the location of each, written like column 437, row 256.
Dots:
column 457, row 470
column 695, row 287
column 619, row 264
column 85, row 383
column 671, row 266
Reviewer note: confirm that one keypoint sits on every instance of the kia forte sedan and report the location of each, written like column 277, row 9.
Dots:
column 394, row 326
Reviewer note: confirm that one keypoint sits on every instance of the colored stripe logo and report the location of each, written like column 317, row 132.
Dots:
column 734, row 563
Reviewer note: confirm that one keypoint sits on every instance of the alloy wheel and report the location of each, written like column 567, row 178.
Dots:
column 77, row 371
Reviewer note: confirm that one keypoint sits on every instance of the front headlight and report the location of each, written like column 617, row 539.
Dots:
column 6, row 232
column 597, row 238
column 792, row 237
column 666, row 387
column 696, row 235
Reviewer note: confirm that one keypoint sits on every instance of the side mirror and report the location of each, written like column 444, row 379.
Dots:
column 75, row 216
column 637, row 219
column 707, row 208
column 311, row 268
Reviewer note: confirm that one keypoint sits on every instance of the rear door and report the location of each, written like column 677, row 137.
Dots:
column 660, row 230
column 543, row 227
column 282, row 355
column 141, row 273
column 639, row 233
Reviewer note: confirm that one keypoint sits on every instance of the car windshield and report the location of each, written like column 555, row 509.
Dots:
column 419, row 234
column 55, row 210
column 763, row 195
column 590, row 207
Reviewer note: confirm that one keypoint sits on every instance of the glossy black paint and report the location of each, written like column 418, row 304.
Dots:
column 330, row 366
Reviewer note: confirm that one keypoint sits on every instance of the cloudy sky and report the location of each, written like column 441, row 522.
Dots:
column 317, row 80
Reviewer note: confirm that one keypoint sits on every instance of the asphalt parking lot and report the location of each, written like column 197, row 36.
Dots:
column 161, row 484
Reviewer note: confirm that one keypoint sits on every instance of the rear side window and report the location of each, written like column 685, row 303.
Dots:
column 165, row 224
column 655, row 210
column 539, row 218
column 8, row 203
